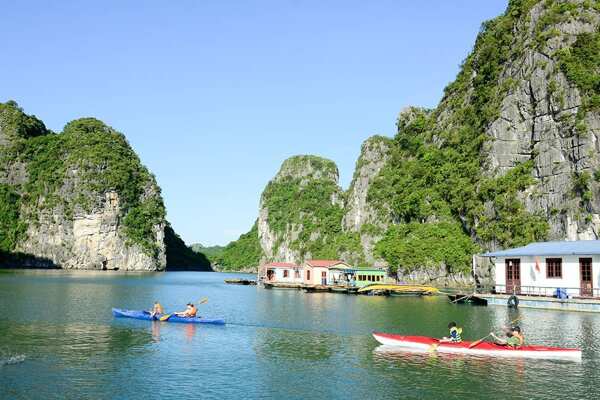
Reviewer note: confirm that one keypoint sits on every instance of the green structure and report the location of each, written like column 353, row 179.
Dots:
column 368, row 276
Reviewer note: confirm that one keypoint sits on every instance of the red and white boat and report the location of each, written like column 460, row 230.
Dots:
column 424, row 343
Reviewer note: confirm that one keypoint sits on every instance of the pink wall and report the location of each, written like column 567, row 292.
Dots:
column 315, row 274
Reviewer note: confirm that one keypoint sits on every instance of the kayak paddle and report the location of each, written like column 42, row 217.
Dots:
column 167, row 316
column 475, row 343
column 433, row 347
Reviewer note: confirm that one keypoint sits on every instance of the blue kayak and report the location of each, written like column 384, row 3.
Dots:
column 117, row 312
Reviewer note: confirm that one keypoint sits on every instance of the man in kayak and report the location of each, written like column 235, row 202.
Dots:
column 157, row 309
column 190, row 311
column 514, row 338
column 455, row 332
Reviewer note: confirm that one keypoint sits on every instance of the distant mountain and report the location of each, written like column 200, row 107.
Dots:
column 208, row 251
column 181, row 257
column 240, row 255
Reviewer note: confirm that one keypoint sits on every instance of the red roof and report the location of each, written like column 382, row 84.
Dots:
column 324, row 263
column 280, row 265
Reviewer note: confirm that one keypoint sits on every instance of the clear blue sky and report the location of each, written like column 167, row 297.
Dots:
column 214, row 95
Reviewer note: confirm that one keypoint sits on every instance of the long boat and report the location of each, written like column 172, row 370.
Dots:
column 145, row 315
column 424, row 343
column 419, row 290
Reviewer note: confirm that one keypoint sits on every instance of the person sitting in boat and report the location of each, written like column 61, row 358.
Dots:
column 455, row 333
column 190, row 311
column 514, row 338
column 157, row 309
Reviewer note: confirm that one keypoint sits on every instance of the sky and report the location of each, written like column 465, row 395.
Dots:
column 215, row 95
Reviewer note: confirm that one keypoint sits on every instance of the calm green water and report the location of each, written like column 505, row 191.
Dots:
column 58, row 339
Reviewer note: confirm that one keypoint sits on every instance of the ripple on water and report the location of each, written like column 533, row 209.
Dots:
column 9, row 359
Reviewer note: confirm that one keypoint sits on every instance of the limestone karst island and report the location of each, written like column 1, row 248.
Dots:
column 300, row 200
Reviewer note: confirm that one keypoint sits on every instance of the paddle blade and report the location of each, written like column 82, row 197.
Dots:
column 433, row 347
column 165, row 317
column 475, row 343
column 204, row 300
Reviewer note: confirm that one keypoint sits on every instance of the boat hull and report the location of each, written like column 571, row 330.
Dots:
column 145, row 315
column 424, row 343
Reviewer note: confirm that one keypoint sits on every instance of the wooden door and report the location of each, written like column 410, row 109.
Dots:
column 585, row 277
column 513, row 275
column 324, row 278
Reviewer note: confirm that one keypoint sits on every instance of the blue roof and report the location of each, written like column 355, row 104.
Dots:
column 578, row 247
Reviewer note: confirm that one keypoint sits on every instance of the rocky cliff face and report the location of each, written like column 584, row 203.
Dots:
column 300, row 209
column 509, row 156
column 79, row 199
column 545, row 117
column 361, row 216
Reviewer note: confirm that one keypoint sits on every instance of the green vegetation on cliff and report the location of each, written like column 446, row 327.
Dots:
column 581, row 66
column 415, row 245
column 91, row 158
column 305, row 201
column 436, row 172
column 73, row 172
column 240, row 254
column 12, row 228
column 181, row 257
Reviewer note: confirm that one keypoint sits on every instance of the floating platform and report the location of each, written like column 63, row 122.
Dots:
column 398, row 290
column 240, row 281
column 546, row 303
column 316, row 288
column 282, row 285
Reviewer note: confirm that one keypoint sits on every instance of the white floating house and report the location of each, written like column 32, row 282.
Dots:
column 282, row 272
column 541, row 268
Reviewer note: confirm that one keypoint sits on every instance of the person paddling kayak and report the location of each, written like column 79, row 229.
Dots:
column 189, row 312
column 514, row 338
column 157, row 309
column 455, row 333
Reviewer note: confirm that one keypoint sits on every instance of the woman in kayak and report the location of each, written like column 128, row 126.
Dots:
column 514, row 338
column 157, row 309
column 190, row 311
column 454, row 334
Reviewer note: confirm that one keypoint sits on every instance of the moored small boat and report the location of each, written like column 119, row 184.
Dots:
column 145, row 315
column 467, row 299
column 424, row 343
column 240, row 281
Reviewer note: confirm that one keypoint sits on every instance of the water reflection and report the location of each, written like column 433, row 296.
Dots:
column 73, row 343
column 293, row 345
column 281, row 344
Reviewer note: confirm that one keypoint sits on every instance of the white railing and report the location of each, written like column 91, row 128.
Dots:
column 547, row 291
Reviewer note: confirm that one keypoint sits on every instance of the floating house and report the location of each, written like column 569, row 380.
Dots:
column 539, row 269
column 368, row 276
column 282, row 272
column 326, row 272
